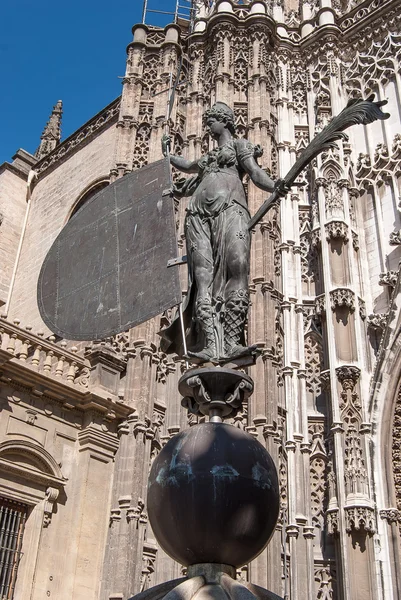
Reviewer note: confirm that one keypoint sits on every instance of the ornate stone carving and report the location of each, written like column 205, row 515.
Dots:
column 51, row 135
column 140, row 156
column 377, row 321
column 342, row 297
column 396, row 451
column 362, row 308
column 138, row 513
column 320, row 305
column 348, row 376
column 50, row 499
column 325, row 578
column 318, row 474
column 283, row 486
column 313, row 363
column 395, row 238
column 391, row 515
column 359, row 517
column 336, row 229
column 332, row 520
column 389, row 278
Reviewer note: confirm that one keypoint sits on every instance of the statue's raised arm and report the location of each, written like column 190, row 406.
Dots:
column 180, row 163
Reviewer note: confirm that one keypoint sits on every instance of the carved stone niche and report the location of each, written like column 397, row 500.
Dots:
column 342, row 297
column 336, row 230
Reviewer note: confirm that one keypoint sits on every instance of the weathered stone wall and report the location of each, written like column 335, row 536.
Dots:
column 53, row 199
column 13, row 194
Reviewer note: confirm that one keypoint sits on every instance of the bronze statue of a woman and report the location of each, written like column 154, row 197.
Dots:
column 218, row 243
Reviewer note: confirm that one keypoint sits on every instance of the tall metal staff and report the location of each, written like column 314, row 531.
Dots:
column 169, row 109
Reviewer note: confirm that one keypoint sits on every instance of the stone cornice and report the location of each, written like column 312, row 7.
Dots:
column 6, row 166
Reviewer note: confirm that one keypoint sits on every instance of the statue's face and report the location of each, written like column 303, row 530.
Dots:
column 215, row 127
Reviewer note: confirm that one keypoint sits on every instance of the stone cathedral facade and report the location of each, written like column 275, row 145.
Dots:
column 81, row 423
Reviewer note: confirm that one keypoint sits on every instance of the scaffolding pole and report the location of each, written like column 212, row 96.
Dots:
column 180, row 9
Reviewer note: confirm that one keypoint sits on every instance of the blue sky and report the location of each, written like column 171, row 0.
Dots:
column 72, row 51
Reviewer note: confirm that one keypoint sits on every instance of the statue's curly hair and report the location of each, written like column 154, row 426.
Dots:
column 222, row 112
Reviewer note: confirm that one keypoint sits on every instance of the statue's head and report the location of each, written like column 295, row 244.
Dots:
column 222, row 113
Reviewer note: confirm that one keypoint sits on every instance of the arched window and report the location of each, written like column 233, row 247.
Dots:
column 88, row 194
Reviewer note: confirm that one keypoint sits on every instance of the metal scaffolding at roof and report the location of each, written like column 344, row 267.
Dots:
column 178, row 10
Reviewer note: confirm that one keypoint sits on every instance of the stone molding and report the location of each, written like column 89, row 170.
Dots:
column 49, row 474
column 48, row 370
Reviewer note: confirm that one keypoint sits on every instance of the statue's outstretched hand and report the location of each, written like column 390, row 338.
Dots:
column 281, row 187
column 166, row 144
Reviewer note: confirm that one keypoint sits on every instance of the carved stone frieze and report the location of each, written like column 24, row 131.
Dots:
column 342, row 297
column 396, row 451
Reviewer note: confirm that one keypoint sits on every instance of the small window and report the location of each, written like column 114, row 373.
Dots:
column 12, row 523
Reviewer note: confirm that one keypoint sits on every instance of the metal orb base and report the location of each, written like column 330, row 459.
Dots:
column 213, row 496
column 214, row 391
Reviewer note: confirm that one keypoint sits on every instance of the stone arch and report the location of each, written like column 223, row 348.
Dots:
column 31, row 461
column 90, row 190
column 385, row 416
column 332, row 170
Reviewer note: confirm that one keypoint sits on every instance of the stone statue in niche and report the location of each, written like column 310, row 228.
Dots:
column 215, row 308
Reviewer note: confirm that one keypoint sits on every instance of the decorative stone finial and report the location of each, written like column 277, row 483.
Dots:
column 51, row 135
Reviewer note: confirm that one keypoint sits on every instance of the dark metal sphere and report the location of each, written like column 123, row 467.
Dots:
column 213, row 496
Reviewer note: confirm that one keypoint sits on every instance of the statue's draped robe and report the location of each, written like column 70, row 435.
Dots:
column 215, row 225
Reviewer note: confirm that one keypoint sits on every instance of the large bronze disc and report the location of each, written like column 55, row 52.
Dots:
column 107, row 270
